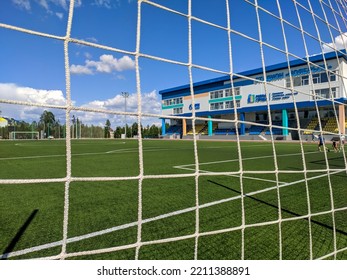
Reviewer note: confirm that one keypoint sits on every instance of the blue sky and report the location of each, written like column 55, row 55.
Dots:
column 32, row 68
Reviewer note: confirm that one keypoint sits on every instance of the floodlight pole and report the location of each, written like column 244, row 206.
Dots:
column 125, row 95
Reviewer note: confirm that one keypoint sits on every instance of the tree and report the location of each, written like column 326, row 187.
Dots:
column 73, row 126
column 135, row 129
column 107, row 133
column 47, row 117
column 129, row 131
column 118, row 132
column 48, row 120
column 78, row 122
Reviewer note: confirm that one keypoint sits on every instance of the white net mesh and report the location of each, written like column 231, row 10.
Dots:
column 322, row 232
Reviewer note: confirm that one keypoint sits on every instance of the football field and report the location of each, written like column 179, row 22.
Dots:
column 247, row 200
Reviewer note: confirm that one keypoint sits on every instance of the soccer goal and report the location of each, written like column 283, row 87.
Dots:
column 24, row 135
column 255, row 78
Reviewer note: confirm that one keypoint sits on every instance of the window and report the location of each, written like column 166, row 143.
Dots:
column 305, row 80
column 216, row 94
column 228, row 91
column 316, row 78
column 324, row 78
column 173, row 101
column 230, row 104
column 237, row 91
column 296, row 82
column 177, row 111
column 333, row 76
column 326, row 93
column 217, row 106
column 177, row 101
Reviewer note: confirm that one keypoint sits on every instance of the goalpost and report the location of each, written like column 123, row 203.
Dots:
column 24, row 135
column 332, row 17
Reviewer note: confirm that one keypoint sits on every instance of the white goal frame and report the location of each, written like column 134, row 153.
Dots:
column 13, row 134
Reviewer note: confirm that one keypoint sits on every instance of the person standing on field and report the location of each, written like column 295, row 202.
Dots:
column 321, row 143
column 335, row 146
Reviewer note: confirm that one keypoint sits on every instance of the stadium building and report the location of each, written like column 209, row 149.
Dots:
column 314, row 85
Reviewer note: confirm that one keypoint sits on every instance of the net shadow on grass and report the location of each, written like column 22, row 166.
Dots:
column 19, row 234
column 335, row 161
column 282, row 209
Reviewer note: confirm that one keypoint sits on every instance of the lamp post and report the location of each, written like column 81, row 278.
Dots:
column 125, row 95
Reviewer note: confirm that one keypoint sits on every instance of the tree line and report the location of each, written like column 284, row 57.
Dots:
column 49, row 127
column 131, row 131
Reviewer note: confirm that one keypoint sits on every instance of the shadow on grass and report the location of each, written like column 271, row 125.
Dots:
column 333, row 161
column 276, row 207
column 19, row 234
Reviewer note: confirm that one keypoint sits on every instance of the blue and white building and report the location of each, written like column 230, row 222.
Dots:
column 302, row 84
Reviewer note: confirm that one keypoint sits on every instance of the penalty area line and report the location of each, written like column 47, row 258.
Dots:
column 233, row 160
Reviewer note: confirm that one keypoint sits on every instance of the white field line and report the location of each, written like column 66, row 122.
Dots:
column 120, row 150
column 184, row 167
column 234, row 175
column 128, row 150
column 207, row 233
column 233, row 160
column 167, row 215
column 62, row 143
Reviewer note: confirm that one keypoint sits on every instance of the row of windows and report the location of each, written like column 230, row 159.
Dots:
column 173, row 101
column 224, row 105
column 224, row 93
column 297, row 81
column 316, row 79
column 326, row 92
column 177, row 110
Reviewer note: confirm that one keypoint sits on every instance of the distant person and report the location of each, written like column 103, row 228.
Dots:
column 334, row 144
column 321, row 143
column 342, row 142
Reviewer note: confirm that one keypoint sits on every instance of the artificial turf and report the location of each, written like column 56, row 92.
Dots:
column 258, row 201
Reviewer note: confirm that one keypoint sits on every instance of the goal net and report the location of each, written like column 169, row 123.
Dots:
column 273, row 75
column 18, row 135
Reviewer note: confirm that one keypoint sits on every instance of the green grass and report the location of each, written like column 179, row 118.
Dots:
column 32, row 214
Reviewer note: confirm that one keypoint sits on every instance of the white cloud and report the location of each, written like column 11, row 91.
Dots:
column 13, row 92
column 340, row 42
column 92, row 39
column 59, row 15
column 80, row 69
column 43, row 4
column 151, row 103
column 47, row 4
column 103, row 3
column 59, row 3
column 23, row 4
column 105, row 64
column 87, row 55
